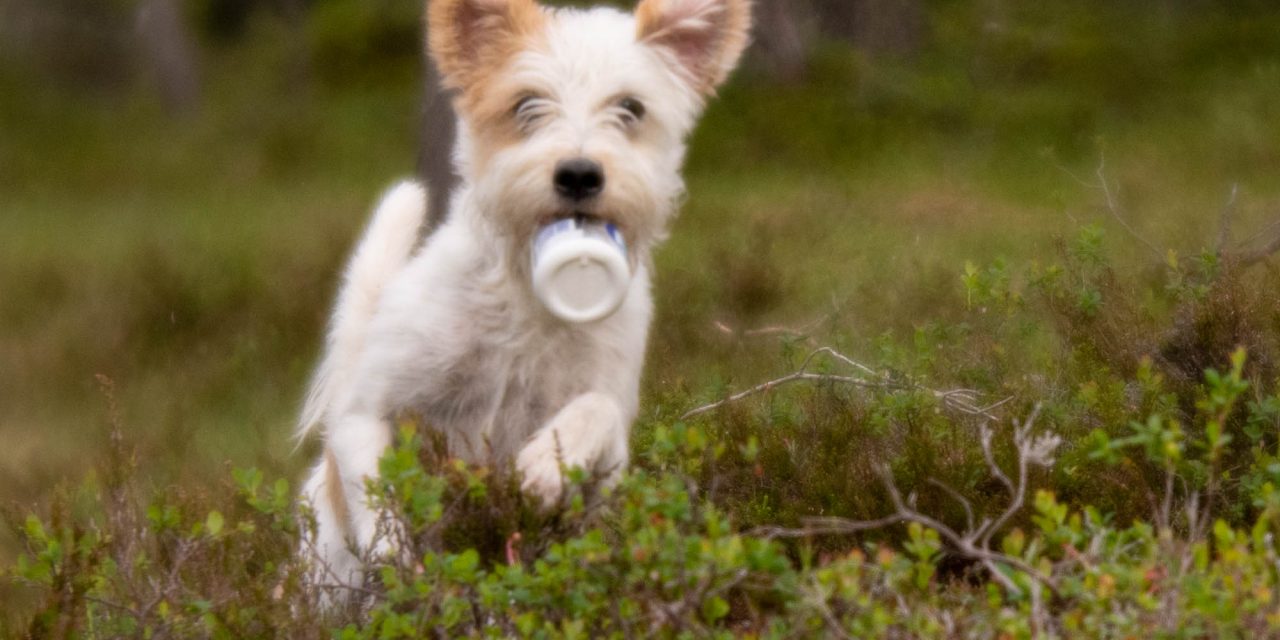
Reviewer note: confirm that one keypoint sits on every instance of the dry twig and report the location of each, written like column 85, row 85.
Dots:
column 1240, row 255
column 803, row 331
column 1250, row 258
column 962, row 400
column 1114, row 208
column 973, row 542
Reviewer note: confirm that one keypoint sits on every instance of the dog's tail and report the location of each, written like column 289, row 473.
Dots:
column 385, row 247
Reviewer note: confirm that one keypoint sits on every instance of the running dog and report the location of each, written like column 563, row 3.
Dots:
column 562, row 113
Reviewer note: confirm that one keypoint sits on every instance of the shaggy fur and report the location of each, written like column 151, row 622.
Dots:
column 451, row 332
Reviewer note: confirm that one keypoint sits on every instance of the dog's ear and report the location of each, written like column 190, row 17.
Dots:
column 471, row 38
column 703, row 38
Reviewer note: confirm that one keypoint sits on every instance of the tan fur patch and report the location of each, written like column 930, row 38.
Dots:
column 648, row 18
column 489, row 109
column 333, row 493
column 471, row 40
column 705, row 36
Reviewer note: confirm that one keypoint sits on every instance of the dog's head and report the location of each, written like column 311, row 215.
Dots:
column 567, row 112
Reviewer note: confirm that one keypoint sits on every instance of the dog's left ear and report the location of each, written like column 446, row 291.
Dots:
column 470, row 39
column 703, row 38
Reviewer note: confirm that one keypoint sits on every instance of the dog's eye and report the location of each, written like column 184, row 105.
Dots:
column 524, row 106
column 528, row 110
column 633, row 107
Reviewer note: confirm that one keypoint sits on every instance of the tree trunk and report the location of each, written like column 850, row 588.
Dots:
column 877, row 27
column 435, row 155
column 780, row 49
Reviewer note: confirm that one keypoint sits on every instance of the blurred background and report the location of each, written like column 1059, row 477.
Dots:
column 180, row 179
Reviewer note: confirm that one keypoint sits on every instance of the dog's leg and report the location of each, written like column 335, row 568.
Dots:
column 327, row 546
column 589, row 432
column 358, row 443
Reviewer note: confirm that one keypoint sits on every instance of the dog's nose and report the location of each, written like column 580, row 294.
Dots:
column 579, row 178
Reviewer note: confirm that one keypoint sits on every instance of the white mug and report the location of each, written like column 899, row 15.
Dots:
column 580, row 270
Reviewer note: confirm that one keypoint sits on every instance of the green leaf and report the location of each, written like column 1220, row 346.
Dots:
column 714, row 608
column 213, row 523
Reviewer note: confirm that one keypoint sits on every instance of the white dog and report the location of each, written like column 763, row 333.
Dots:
column 562, row 113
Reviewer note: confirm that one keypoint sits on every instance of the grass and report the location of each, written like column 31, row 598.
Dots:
column 191, row 261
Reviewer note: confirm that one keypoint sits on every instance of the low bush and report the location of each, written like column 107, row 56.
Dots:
column 1044, row 463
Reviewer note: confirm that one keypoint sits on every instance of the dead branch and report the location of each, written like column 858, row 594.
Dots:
column 1037, row 450
column 1270, row 229
column 1261, row 253
column 974, row 542
column 1114, row 208
column 955, row 495
column 770, row 385
column 1240, row 256
column 984, row 436
column 962, row 400
column 803, row 331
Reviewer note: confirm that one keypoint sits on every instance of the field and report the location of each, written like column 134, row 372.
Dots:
column 940, row 218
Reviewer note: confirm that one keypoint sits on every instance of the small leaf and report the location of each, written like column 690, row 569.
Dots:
column 714, row 608
column 213, row 523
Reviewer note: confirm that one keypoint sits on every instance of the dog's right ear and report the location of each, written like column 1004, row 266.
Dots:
column 470, row 39
column 703, row 38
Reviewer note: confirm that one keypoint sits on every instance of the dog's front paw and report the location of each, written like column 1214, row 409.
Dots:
column 539, row 463
column 589, row 433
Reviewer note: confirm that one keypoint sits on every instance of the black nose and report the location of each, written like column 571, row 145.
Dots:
column 579, row 178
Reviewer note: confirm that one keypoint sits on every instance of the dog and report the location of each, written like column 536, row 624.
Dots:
column 561, row 113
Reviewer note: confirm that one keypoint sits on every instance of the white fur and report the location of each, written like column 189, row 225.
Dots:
column 454, row 335
column 383, row 250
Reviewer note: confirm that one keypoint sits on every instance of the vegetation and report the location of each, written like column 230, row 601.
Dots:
column 1014, row 293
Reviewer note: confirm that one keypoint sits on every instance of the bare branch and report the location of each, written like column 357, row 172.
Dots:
column 1239, row 255
column 830, row 619
column 964, row 502
column 1165, row 515
column 966, row 545
column 770, row 385
column 1027, row 454
column 115, row 605
column 984, row 436
column 802, row 331
column 1072, row 174
column 986, row 411
column 849, row 361
column 974, row 543
column 1271, row 228
column 1114, row 208
column 1261, row 253
column 962, row 400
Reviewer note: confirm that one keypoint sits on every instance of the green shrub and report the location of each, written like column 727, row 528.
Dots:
column 1129, row 497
